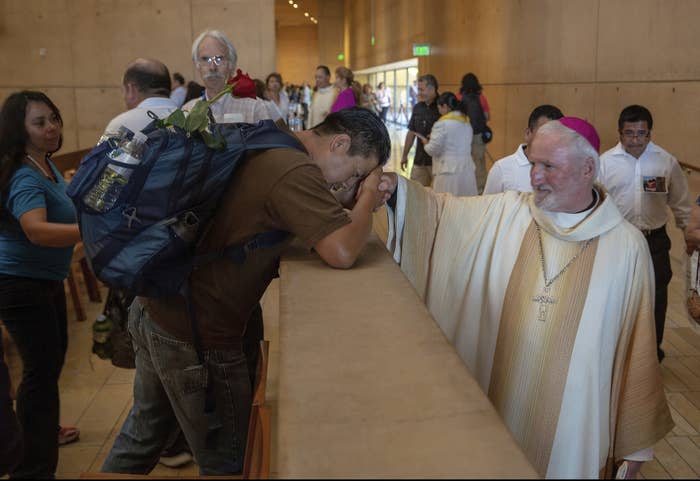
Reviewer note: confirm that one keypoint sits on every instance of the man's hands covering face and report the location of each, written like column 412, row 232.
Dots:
column 381, row 185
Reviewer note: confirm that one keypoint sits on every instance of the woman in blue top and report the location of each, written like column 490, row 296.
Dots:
column 37, row 233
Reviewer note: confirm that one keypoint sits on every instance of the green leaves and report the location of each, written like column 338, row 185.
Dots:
column 212, row 141
column 198, row 118
column 197, row 122
column 176, row 118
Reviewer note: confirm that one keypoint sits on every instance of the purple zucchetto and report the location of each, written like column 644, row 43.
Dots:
column 584, row 129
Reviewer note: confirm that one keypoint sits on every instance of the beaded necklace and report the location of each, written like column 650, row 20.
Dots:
column 39, row 166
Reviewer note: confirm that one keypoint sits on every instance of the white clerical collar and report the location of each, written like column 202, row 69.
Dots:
column 597, row 221
column 566, row 220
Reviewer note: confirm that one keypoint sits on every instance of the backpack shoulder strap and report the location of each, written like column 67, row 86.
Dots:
column 239, row 252
column 266, row 135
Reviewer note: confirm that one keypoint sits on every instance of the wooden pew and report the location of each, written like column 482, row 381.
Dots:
column 79, row 267
column 368, row 385
column 69, row 160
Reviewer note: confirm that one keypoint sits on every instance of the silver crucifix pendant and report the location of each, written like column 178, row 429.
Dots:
column 543, row 300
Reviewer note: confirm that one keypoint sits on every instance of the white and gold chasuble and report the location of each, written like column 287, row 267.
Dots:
column 577, row 389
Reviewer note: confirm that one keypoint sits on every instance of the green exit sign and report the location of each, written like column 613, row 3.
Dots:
column 421, row 49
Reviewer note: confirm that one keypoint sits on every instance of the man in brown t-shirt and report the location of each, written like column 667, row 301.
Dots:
column 273, row 190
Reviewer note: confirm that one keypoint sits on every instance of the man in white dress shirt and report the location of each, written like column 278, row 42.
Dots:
column 513, row 171
column 643, row 180
column 215, row 59
column 146, row 87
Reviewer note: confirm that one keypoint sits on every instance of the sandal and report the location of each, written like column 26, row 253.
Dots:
column 67, row 435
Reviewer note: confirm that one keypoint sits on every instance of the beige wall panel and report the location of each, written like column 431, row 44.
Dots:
column 249, row 24
column 358, row 46
column 107, row 35
column 265, row 45
column 447, row 48
column 331, row 42
column 675, row 108
column 95, row 107
column 503, row 41
column 27, row 27
column 454, row 32
column 540, row 40
column 331, row 39
column 577, row 100
column 297, row 53
column 397, row 25
column 642, row 40
column 513, row 41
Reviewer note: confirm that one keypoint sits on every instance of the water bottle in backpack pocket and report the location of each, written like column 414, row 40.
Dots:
column 122, row 160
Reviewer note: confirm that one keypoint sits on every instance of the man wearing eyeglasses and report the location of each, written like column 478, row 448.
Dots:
column 215, row 58
column 643, row 179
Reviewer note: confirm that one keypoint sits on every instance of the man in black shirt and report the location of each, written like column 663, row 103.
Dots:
column 424, row 115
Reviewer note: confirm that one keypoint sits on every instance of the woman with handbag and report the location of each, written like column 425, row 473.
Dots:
column 471, row 93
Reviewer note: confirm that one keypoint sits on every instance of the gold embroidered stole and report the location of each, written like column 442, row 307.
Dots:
column 532, row 357
column 639, row 412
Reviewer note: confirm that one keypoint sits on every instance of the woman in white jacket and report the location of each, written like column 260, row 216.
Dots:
column 450, row 147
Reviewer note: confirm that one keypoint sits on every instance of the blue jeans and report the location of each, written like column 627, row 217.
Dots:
column 34, row 313
column 169, row 389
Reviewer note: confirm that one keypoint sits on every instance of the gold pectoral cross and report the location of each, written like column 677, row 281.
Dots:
column 543, row 300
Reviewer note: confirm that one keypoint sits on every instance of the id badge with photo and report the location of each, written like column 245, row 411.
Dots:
column 654, row 184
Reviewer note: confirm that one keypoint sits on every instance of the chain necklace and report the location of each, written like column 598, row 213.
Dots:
column 39, row 166
column 545, row 299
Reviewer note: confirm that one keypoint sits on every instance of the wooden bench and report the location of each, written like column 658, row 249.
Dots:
column 79, row 267
column 69, row 160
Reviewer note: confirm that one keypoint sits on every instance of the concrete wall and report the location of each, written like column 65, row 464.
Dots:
column 297, row 53
column 331, row 34
column 89, row 42
column 589, row 57
column 302, row 47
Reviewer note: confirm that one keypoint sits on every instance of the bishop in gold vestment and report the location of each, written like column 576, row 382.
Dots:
column 548, row 298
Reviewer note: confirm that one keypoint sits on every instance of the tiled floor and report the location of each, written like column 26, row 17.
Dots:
column 96, row 396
